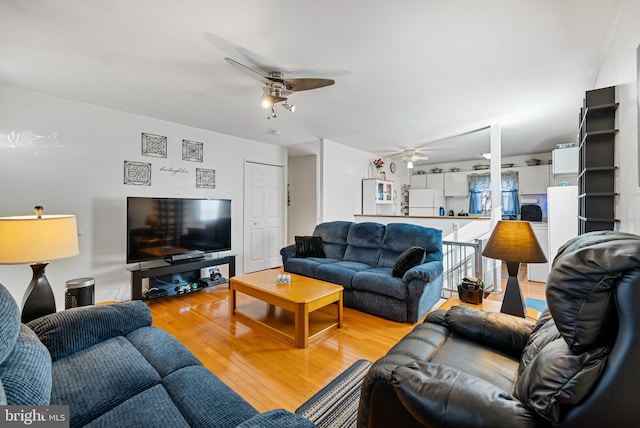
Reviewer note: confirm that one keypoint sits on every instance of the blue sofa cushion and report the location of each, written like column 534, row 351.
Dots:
column 380, row 281
column 64, row 333
column 305, row 266
column 309, row 246
column 9, row 322
column 93, row 379
column 400, row 236
column 26, row 371
column 364, row 241
column 334, row 237
column 340, row 272
column 412, row 256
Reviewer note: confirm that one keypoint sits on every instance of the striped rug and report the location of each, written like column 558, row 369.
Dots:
column 336, row 405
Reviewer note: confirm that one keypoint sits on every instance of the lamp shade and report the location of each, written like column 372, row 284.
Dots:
column 29, row 239
column 514, row 241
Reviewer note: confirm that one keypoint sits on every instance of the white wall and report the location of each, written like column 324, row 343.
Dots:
column 343, row 169
column 302, row 189
column 69, row 157
column 619, row 69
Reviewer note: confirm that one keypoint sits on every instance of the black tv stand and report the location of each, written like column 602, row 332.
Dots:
column 161, row 267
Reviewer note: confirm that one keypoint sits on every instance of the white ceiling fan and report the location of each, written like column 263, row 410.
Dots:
column 421, row 153
column 410, row 156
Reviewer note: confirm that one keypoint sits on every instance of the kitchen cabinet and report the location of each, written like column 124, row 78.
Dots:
column 565, row 161
column 427, row 181
column 456, row 184
column 435, row 181
column 377, row 196
column 533, row 180
column 418, row 181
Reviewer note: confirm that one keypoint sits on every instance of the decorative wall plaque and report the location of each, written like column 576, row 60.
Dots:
column 138, row 173
column 192, row 151
column 154, row 145
column 205, row 178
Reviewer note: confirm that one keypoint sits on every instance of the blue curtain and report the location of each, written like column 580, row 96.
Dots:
column 509, row 187
column 480, row 193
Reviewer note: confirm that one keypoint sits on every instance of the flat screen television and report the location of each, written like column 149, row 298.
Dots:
column 161, row 227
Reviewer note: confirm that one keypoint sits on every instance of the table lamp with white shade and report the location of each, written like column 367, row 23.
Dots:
column 36, row 240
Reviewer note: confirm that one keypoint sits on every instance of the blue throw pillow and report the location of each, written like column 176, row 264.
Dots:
column 412, row 256
column 309, row 246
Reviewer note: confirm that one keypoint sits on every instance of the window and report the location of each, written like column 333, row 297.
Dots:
column 480, row 191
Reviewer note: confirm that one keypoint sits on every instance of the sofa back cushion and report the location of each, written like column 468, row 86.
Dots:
column 334, row 238
column 364, row 242
column 400, row 236
column 580, row 287
column 26, row 371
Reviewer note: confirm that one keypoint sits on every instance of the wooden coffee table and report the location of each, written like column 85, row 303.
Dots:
column 296, row 317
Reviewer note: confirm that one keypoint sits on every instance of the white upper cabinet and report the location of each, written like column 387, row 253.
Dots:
column 418, row 181
column 533, row 180
column 435, row 181
column 456, row 184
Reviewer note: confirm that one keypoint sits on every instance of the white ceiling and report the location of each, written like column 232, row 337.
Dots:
column 419, row 70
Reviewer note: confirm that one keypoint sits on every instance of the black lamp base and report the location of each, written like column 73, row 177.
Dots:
column 513, row 303
column 38, row 300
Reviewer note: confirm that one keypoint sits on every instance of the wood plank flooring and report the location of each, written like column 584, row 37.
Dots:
column 264, row 369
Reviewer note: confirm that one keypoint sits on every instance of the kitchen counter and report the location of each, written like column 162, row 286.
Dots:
column 454, row 228
column 470, row 217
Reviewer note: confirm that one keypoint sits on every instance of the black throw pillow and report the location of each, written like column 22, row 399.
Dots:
column 412, row 256
column 309, row 246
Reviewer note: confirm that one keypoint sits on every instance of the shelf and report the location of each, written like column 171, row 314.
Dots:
column 596, row 110
column 596, row 176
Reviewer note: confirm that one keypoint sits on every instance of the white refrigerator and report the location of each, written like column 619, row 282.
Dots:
column 562, row 214
column 426, row 202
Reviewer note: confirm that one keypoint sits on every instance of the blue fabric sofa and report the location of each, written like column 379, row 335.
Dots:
column 361, row 256
column 113, row 369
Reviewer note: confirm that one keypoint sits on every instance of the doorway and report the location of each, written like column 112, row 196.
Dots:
column 263, row 216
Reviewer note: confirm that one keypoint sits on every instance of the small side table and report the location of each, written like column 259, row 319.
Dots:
column 486, row 305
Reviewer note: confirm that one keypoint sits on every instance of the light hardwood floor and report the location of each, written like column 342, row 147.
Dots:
column 265, row 370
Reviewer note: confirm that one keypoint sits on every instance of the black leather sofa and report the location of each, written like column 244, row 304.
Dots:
column 576, row 367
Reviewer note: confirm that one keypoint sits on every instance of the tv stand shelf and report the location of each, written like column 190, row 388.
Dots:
column 160, row 268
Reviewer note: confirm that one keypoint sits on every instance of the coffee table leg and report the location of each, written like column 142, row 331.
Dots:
column 340, row 311
column 232, row 301
column 301, row 326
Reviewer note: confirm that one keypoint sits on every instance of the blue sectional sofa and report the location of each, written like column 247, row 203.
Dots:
column 113, row 369
column 361, row 258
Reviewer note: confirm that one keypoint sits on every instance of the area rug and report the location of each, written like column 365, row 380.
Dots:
column 336, row 405
column 537, row 304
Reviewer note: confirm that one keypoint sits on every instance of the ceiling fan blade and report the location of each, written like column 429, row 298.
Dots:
column 248, row 71
column 297, row 85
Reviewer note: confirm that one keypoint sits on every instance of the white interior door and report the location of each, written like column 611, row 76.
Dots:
column 263, row 218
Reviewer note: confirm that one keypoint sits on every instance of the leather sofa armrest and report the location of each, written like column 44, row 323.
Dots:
column 440, row 396
column 502, row 332
column 67, row 332
column 426, row 272
column 288, row 252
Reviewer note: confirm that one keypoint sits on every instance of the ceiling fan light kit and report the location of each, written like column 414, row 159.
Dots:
column 277, row 86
